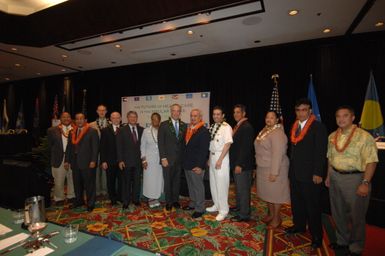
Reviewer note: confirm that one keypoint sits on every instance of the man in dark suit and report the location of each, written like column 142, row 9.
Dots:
column 57, row 143
column 242, row 162
column 195, row 161
column 307, row 169
column 128, row 152
column 171, row 136
column 82, row 155
column 108, row 157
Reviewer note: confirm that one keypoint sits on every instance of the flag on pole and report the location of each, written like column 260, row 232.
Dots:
column 20, row 124
column 312, row 97
column 274, row 102
column 55, row 112
column 5, row 119
column 371, row 117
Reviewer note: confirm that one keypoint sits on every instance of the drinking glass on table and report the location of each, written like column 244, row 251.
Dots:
column 70, row 233
column 18, row 216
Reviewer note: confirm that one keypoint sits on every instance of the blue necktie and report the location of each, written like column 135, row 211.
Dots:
column 176, row 129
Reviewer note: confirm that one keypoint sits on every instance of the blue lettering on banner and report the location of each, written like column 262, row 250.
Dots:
column 189, row 95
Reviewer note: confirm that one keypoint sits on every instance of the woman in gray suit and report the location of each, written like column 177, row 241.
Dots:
column 272, row 168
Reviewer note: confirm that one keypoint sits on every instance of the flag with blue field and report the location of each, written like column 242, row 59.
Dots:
column 371, row 117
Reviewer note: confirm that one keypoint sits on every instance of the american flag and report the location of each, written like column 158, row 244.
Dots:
column 274, row 102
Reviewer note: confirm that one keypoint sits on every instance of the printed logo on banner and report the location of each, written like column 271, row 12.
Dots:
column 175, row 97
column 136, row 98
column 161, row 97
column 189, row 95
column 124, row 99
column 204, row 95
column 148, row 98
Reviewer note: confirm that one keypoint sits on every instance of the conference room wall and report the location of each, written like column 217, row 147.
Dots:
column 340, row 68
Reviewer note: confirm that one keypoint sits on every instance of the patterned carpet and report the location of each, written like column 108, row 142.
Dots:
column 176, row 233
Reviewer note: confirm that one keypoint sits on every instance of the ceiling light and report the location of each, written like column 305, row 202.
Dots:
column 293, row 12
column 7, row 78
column 17, row 65
column 14, row 49
column 27, row 7
column 190, row 32
column 327, row 30
column 63, row 70
column 118, row 45
column 379, row 24
column 64, row 56
column 38, row 73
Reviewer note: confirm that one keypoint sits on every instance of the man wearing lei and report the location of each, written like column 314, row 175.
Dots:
column 352, row 155
column 171, row 144
column 242, row 162
column 57, row 143
column 100, row 123
column 307, row 168
column 81, row 156
column 194, row 162
column 221, row 140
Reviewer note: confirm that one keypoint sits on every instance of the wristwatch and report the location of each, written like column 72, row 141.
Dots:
column 365, row 181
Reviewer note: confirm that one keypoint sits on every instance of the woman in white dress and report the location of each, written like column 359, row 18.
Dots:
column 152, row 170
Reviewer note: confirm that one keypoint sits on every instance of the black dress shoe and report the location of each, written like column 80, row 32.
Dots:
column 125, row 206
column 113, row 202
column 234, row 209
column 137, row 204
column 316, row 244
column 176, row 205
column 168, row 207
column 353, row 253
column 90, row 208
column 336, row 246
column 197, row 215
column 188, row 208
column 293, row 230
column 59, row 203
column 76, row 205
column 239, row 218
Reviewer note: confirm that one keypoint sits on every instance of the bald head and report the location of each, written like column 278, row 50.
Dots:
column 115, row 118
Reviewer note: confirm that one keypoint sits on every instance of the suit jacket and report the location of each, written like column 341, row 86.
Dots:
column 197, row 150
column 55, row 144
column 108, row 151
column 87, row 149
column 308, row 157
column 242, row 149
column 128, row 151
column 170, row 146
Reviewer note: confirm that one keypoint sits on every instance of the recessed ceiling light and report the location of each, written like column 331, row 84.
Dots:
column 14, row 49
column 257, row 41
column 17, row 65
column 113, row 62
column 64, row 70
column 118, row 45
column 379, row 24
column 64, row 56
column 327, row 30
column 293, row 12
column 190, row 32
column 7, row 78
column 38, row 73
column 173, row 54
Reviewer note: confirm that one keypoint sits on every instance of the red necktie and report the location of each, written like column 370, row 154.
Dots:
column 134, row 137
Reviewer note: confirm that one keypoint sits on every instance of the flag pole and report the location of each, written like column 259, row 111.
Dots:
column 275, row 77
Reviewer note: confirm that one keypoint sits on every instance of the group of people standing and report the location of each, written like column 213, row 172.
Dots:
column 345, row 162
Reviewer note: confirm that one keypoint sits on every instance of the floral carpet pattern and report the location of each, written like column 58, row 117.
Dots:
column 176, row 233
